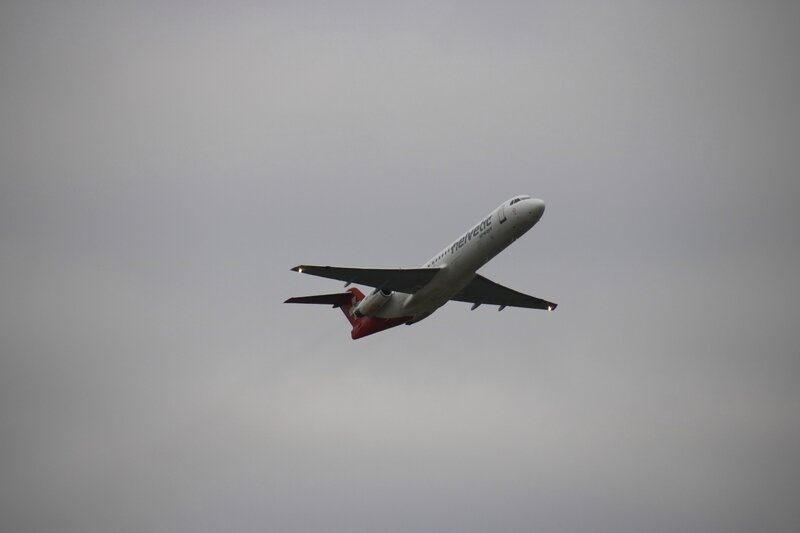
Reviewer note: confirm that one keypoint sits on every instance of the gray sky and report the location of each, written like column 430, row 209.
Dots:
column 163, row 165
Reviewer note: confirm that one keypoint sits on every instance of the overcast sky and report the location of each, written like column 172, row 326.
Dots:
column 164, row 164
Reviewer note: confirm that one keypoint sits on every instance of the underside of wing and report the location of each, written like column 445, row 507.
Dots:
column 485, row 291
column 408, row 280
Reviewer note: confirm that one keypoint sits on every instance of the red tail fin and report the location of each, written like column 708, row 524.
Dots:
column 347, row 308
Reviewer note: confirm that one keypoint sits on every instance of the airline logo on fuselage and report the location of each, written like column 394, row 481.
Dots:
column 479, row 230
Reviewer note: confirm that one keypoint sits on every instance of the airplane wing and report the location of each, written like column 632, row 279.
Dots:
column 408, row 280
column 485, row 291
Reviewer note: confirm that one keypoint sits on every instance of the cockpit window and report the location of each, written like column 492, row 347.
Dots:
column 518, row 199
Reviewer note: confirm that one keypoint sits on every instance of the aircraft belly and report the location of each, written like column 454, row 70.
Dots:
column 447, row 283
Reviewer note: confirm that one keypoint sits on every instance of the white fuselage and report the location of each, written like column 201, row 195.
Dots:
column 459, row 261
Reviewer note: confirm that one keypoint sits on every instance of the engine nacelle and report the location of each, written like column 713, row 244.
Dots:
column 372, row 303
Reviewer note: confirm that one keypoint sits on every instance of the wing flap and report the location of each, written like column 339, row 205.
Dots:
column 408, row 280
column 482, row 290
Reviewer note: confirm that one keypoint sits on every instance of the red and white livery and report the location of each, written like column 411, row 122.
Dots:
column 407, row 295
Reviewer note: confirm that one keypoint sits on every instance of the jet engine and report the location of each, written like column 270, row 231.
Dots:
column 372, row 303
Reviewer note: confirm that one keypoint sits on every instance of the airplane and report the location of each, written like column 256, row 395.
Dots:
column 408, row 295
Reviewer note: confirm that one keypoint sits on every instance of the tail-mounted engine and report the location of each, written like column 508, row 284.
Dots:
column 370, row 305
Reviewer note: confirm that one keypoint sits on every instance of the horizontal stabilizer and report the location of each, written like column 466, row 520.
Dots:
column 336, row 300
column 408, row 280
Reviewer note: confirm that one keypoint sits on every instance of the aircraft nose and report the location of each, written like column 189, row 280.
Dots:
column 535, row 209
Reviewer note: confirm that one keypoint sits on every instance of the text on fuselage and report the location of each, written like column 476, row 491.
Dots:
column 479, row 230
